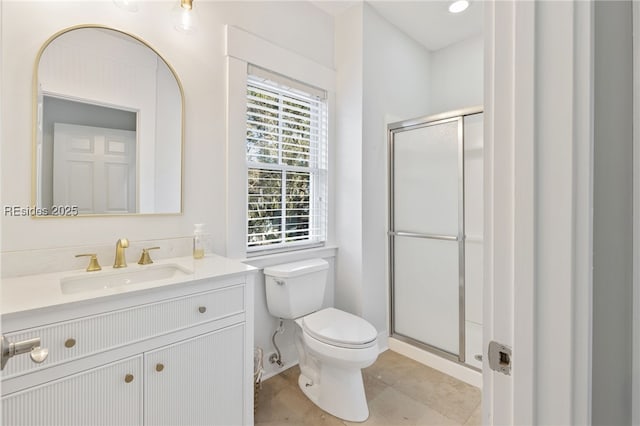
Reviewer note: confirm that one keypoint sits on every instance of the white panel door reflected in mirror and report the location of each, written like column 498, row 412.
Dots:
column 94, row 168
column 94, row 85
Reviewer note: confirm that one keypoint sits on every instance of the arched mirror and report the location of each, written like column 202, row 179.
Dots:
column 108, row 126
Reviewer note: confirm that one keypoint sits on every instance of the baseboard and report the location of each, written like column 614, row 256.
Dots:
column 453, row 369
column 383, row 341
column 272, row 373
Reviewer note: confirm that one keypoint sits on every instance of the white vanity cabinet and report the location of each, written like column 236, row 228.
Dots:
column 110, row 394
column 197, row 376
column 179, row 354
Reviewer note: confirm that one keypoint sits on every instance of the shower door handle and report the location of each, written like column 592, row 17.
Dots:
column 426, row 236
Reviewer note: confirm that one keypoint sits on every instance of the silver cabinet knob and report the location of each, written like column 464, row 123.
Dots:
column 202, row 309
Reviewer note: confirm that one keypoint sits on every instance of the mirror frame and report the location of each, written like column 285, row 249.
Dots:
column 34, row 124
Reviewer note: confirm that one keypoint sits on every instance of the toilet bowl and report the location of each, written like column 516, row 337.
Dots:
column 333, row 346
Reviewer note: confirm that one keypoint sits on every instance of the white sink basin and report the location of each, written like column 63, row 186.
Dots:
column 121, row 277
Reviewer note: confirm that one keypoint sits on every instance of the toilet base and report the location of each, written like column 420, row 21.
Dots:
column 339, row 392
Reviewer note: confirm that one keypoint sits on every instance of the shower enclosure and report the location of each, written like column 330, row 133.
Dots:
column 435, row 233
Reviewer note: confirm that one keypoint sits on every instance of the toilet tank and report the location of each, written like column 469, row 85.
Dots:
column 296, row 289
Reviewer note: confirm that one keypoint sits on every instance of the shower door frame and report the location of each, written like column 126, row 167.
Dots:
column 635, row 382
column 408, row 125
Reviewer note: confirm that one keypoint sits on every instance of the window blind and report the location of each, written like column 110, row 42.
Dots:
column 286, row 146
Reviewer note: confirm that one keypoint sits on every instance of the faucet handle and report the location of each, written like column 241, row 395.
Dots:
column 93, row 262
column 145, row 259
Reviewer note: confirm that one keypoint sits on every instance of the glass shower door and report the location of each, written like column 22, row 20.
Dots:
column 426, row 235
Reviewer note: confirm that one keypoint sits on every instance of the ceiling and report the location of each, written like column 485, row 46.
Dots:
column 426, row 21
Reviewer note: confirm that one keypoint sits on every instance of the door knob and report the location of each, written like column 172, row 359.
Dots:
column 9, row 350
column 38, row 355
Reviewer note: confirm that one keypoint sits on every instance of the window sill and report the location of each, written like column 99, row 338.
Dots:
column 264, row 260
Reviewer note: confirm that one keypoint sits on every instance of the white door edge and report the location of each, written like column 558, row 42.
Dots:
column 522, row 127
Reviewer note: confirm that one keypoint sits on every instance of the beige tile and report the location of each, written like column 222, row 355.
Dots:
column 373, row 420
column 304, row 422
column 391, row 367
column 271, row 386
column 399, row 391
column 372, row 386
column 476, row 417
column 287, row 406
column 316, row 416
column 291, row 375
column 281, row 402
column 450, row 397
column 399, row 409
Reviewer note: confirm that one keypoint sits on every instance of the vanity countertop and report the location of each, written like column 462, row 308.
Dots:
column 30, row 292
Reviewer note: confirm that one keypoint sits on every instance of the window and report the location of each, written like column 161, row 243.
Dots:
column 286, row 145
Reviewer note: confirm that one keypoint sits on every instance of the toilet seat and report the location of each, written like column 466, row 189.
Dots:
column 338, row 328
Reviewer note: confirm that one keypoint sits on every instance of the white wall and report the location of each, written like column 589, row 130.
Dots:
column 396, row 85
column 457, row 76
column 348, row 171
column 382, row 77
column 199, row 62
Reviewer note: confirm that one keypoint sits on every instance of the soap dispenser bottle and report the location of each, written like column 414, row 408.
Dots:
column 198, row 241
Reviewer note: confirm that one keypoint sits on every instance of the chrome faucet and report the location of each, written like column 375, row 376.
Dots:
column 120, row 261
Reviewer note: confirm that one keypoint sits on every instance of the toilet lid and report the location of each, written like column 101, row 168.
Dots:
column 337, row 327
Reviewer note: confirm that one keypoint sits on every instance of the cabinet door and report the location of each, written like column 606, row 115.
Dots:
column 107, row 395
column 197, row 381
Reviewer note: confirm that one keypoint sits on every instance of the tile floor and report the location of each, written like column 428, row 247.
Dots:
column 399, row 390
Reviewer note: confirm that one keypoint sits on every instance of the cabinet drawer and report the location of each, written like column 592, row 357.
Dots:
column 89, row 335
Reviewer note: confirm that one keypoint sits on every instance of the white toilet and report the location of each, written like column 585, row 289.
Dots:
column 333, row 346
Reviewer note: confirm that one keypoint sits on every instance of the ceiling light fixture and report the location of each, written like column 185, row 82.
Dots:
column 184, row 19
column 458, row 6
